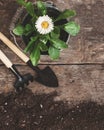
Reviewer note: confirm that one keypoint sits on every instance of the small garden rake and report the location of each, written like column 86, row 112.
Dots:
column 21, row 80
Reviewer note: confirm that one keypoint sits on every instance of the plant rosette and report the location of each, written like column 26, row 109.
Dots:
column 45, row 31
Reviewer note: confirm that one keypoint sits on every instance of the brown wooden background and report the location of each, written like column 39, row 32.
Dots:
column 80, row 68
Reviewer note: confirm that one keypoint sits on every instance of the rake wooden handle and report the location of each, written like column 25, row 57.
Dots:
column 13, row 47
column 9, row 64
column 5, row 60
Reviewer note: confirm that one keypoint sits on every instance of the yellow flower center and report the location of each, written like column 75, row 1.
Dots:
column 45, row 24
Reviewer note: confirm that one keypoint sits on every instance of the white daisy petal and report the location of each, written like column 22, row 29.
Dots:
column 44, row 24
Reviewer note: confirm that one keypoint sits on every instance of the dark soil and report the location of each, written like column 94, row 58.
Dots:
column 26, row 111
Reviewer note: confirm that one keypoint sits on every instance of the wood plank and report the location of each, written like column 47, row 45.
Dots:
column 76, row 83
column 87, row 47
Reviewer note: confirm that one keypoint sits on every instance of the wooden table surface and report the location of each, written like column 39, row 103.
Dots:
column 80, row 69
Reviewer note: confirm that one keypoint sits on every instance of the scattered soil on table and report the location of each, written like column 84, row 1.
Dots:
column 26, row 111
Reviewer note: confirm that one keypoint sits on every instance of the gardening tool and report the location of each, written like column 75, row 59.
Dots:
column 21, row 79
column 45, row 76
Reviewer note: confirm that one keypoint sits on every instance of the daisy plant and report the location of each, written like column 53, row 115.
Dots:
column 44, row 34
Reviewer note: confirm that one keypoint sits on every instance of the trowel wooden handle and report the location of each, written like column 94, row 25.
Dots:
column 5, row 60
column 13, row 47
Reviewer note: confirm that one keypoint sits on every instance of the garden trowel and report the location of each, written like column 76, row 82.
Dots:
column 44, row 76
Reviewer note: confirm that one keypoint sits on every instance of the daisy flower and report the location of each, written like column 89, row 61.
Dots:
column 44, row 24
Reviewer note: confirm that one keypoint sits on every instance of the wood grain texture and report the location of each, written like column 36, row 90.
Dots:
column 80, row 72
column 76, row 82
column 88, row 46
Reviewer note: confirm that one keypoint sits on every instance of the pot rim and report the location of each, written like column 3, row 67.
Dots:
column 49, row 4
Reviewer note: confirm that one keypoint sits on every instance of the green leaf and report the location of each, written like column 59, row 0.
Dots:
column 43, row 40
column 66, row 14
column 59, row 44
column 30, row 45
column 28, row 27
column 72, row 28
column 35, row 55
column 43, row 47
column 21, row 2
column 30, row 8
column 55, row 33
column 41, row 6
column 34, row 38
column 19, row 30
column 54, row 53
